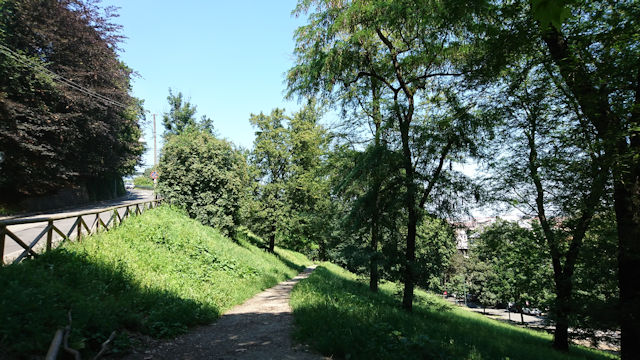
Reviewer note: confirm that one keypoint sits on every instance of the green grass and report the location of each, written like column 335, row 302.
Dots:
column 157, row 274
column 143, row 181
column 340, row 317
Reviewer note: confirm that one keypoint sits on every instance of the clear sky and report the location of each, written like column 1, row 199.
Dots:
column 227, row 57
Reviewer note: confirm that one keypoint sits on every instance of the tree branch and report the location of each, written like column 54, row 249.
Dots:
column 436, row 173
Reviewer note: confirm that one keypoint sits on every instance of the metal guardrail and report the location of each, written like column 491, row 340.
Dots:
column 114, row 219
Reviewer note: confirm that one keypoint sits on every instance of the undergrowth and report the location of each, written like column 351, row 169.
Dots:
column 157, row 274
column 340, row 317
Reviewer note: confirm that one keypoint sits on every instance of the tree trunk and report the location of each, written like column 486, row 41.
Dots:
column 412, row 223
column 272, row 239
column 373, row 264
column 561, row 335
column 374, row 276
column 410, row 256
column 322, row 250
column 594, row 103
column 563, row 309
column 628, row 219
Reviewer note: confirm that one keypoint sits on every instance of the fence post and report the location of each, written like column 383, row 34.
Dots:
column 97, row 222
column 50, row 235
column 3, row 233
column 79, row 228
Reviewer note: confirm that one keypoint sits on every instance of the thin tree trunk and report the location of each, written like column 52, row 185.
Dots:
column 563, row 273
column 412, row 221
column 373, row 264
column 272, row 238
column 410, row 256
column 322, row 250
column 374, row 276
column 594, row 103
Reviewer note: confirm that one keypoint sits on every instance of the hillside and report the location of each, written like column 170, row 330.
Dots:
column 157, row 274
column 338, row 315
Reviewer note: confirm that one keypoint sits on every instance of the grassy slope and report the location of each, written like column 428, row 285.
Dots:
column 339, row 316
column 156, row 274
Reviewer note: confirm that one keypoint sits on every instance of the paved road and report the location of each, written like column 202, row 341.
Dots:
column 28, row 232
column 503, row 314
column 607, row 341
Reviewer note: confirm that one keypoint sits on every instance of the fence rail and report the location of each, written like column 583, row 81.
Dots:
column 79, row 224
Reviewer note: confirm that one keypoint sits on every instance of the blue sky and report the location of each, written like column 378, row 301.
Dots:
column 228, row 57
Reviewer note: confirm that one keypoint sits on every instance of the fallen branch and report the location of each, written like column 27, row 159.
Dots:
column 105, row 345
column 61, row 338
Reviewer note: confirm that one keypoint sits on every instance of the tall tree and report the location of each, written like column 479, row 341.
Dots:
column 593, row 49
column 67, row 114
column 598, row 61
column 293, row 192
column 181, row 114
column 271, row 157
column 555, row 170
column 405, row 48
column 307, row 189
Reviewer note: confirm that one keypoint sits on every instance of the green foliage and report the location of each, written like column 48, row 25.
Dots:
column 143, row 181
column 204, row 175
column 510, row 264
column 395, row 60
column 181, row 117
column 596, row 297
column 156, row 274
column 64, row 135
column 270, row 164
column 340, row 317
column 550, row 11
column 291, row 195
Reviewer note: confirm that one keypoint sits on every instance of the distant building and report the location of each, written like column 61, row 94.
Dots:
column 465, row 231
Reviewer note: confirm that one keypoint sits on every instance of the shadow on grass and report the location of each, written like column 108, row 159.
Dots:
column 341, row 317
column 250, row 241
column 244, row 236
column 36, row 295
column 290, row 264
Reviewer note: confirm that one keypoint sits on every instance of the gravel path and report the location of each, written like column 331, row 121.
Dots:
column 258, row 329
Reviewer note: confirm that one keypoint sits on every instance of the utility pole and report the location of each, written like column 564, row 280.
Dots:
column 155, row 155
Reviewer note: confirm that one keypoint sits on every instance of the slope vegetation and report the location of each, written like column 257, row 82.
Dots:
column 157, row 274
column 340, row 317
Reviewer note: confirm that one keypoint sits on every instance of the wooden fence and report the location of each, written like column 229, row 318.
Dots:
column 76, row 229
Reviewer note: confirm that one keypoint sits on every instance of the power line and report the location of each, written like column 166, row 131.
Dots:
column 39, row 67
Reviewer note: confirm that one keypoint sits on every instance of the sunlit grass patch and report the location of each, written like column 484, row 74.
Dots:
column 339, row 316
column 157, row 274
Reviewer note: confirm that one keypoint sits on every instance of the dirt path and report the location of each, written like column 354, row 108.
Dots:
column 258, row 329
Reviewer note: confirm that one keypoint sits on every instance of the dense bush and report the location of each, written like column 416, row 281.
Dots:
column 54, row 136
column 204, row 175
